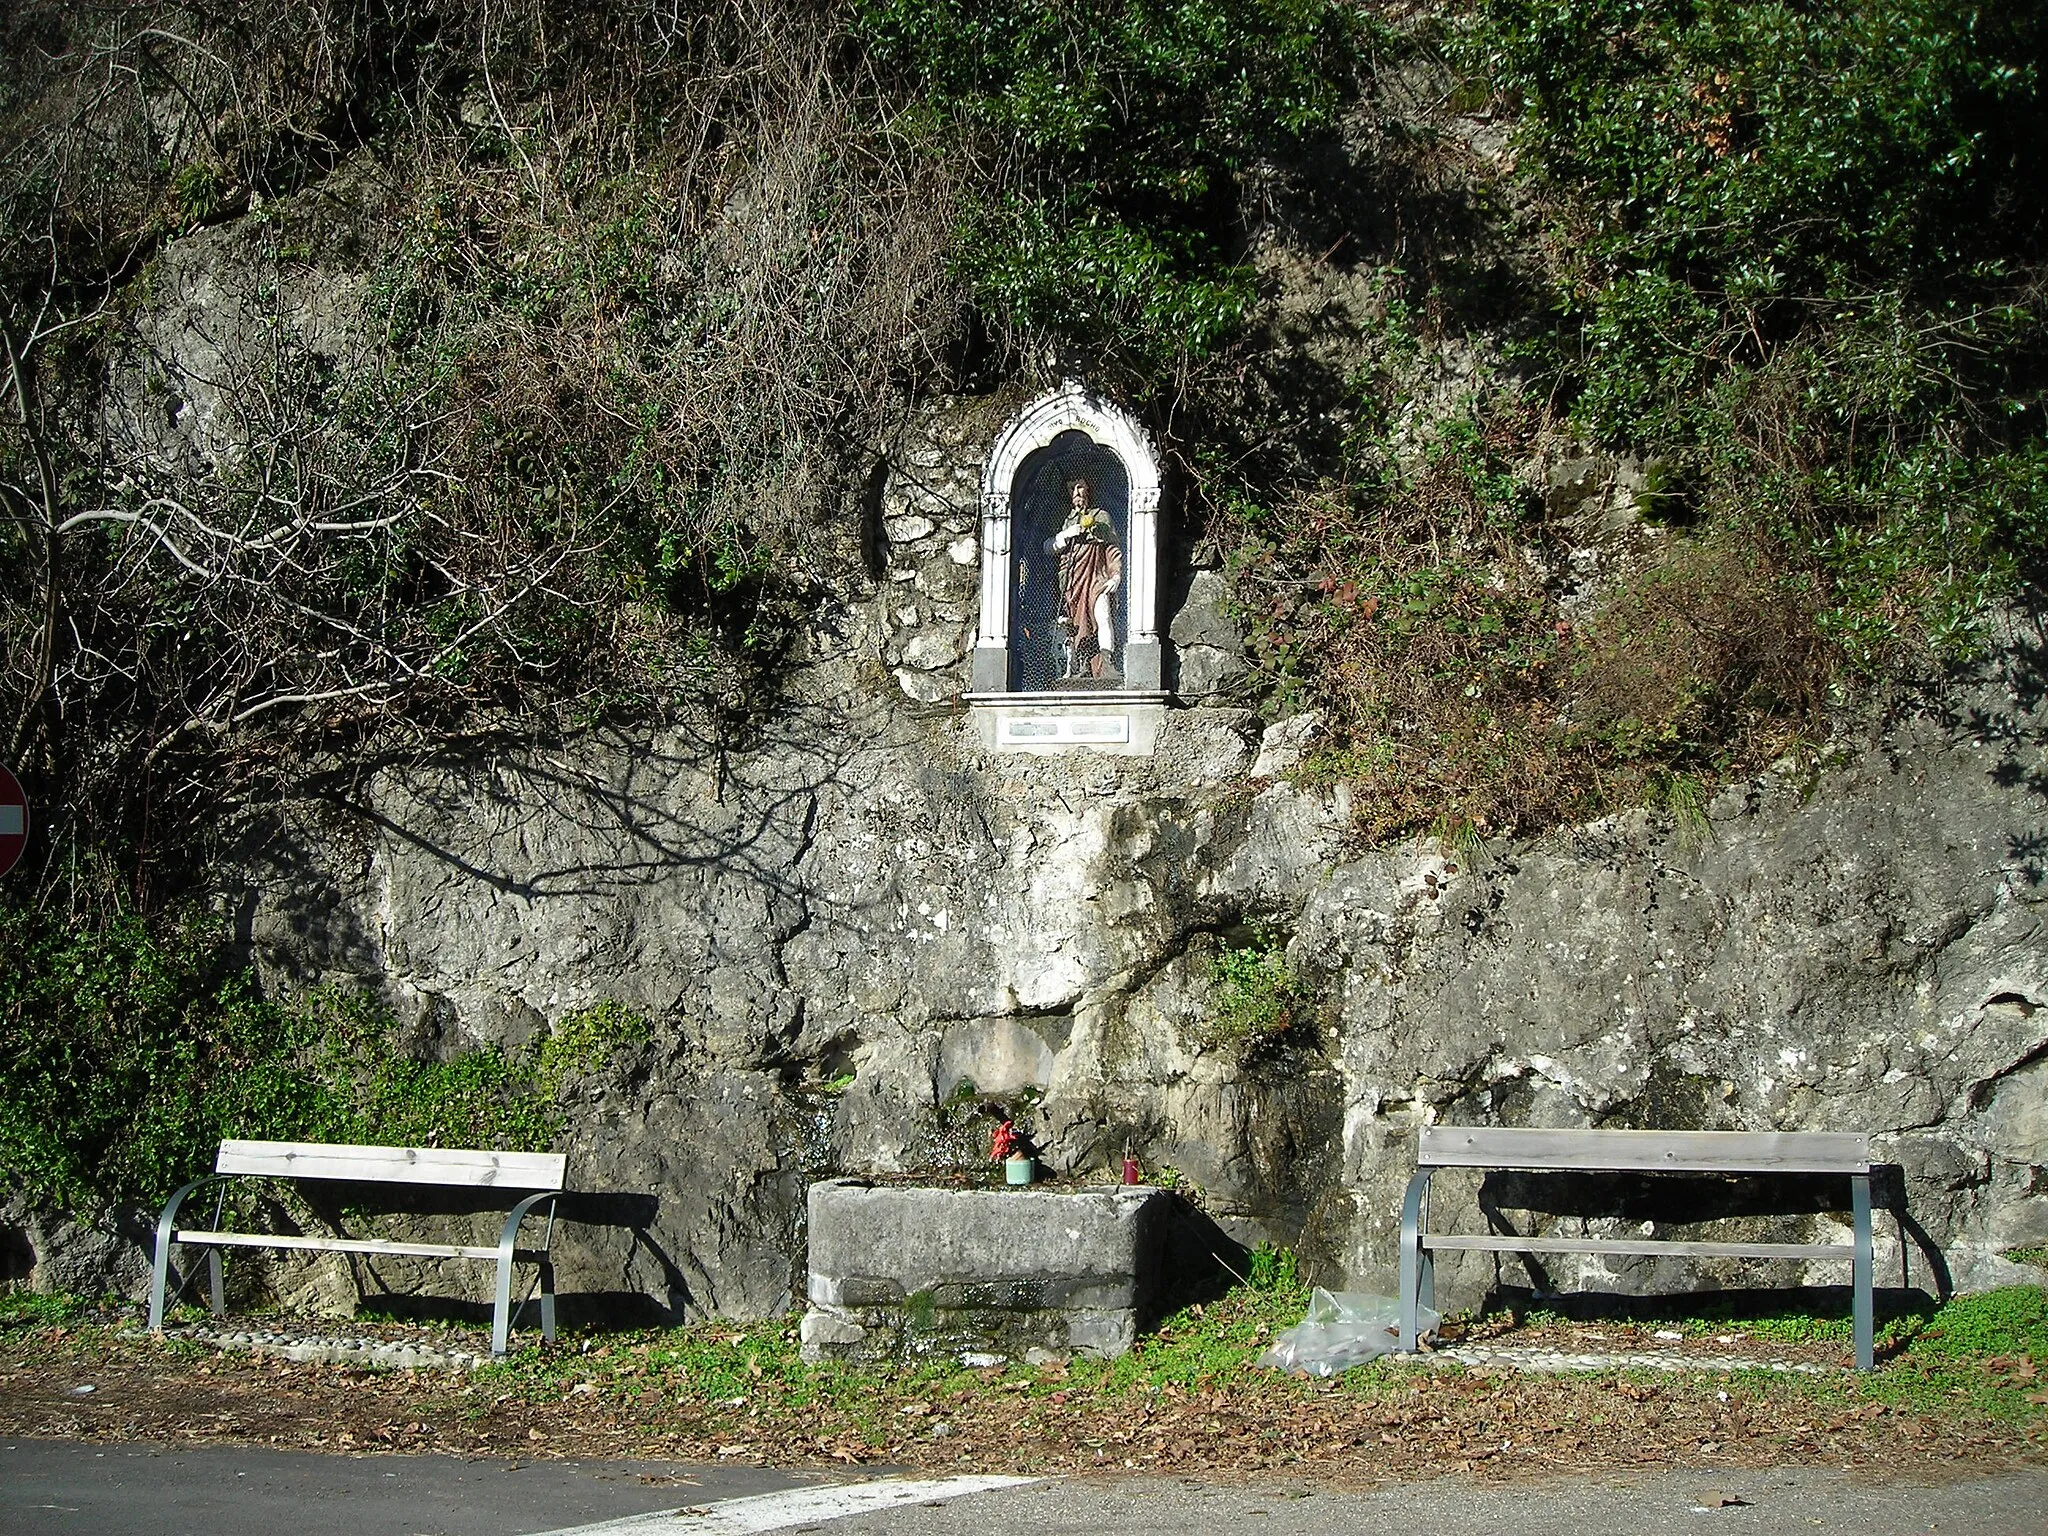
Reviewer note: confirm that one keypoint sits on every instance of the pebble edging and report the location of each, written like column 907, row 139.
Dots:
column 413, row 1354
column 1554, row 1360
column 389, row 1354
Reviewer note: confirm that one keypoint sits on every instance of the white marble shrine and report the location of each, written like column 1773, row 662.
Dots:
column 1068, row 655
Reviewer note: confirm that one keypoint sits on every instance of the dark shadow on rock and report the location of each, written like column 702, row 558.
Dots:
column 581, row 1310
column 17, row 1257
column 1768, row 1208
column 426, row 1213
column 355, row 1208
column 1734, row 1304
column 1888, row 1194
column 626, row 1309
column 1669, row 1200
column 615, row 1311
column 1197, row 1263
column 310, row 921
column 2000, row 701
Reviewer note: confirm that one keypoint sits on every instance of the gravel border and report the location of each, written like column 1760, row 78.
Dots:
column 1529, row 1358
column 409, row 1354
column 419, row 1353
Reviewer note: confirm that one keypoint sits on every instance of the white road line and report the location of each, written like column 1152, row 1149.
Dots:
column 793, row 1506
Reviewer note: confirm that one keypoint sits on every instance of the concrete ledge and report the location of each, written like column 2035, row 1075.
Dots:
column 986, row 1274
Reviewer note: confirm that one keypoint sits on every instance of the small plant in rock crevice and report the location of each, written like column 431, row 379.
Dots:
column 1255, row 999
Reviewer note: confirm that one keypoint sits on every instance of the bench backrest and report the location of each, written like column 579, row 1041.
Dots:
column 1459, row 1146
column 448, row 1166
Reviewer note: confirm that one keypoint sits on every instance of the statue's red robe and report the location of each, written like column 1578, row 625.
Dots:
column 1089, row 567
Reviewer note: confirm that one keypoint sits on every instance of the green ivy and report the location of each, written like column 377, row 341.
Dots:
column 1777, row 148
column 1799, row 256
column 129, row 1050
column 1121, row 132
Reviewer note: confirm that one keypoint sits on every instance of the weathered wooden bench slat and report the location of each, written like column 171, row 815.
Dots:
column 536, row 1178
column 381, row 1245
column 446, row 1167
column 1676, row 1247
column 1645, row 1151
column 1675, row 1152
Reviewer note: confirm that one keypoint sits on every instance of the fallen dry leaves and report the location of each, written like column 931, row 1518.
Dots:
column 1409, row 1423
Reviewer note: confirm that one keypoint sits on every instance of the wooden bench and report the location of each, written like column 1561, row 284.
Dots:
column 539, row 1176
column 1681, row 1152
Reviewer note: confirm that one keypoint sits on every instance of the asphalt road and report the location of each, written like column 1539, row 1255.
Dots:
column 76, row 1489
column 137, row 1490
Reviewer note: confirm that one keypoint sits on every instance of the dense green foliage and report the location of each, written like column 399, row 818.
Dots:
column 1804, row 270
column 1119, row 136
column 1783, row 264
column 127, row 1054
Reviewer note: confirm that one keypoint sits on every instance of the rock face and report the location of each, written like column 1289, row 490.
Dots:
column 928, row 552
column 96, row 1256
column 1854, row 949
column 985, row 1274
column 861, row 926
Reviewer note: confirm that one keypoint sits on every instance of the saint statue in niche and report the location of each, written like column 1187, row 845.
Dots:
column 1071, row 570
column 1090, row 568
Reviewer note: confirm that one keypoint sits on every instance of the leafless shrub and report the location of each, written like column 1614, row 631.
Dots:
column 1705, row 644
column 547, row 403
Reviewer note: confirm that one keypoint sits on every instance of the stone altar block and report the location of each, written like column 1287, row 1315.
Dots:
column 983, row 1274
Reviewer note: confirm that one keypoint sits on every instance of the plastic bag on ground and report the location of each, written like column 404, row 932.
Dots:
column 1340, row 1330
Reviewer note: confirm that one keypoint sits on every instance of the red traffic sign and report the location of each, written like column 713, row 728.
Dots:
column 13, row 821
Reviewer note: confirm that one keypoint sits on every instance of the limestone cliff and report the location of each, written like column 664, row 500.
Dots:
column 1852, row 942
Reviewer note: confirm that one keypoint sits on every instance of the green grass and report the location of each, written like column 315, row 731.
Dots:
column 1963, row 1355
column 37, row 1309
column 1794, row 1322
column 1982, row 1352
column 716, row 1363
column 2011, row 1321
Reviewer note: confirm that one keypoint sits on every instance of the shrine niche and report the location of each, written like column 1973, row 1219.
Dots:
column 1068, row 654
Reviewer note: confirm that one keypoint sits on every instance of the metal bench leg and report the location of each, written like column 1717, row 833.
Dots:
column 1862, row 1265
column 1417, row 1269
column 160, row 1269
column 508, row 1237
column 214, row 1283
column 159, row 1276
column 501, row 1310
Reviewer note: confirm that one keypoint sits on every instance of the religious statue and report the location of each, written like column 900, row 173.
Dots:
column 1090, row 568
